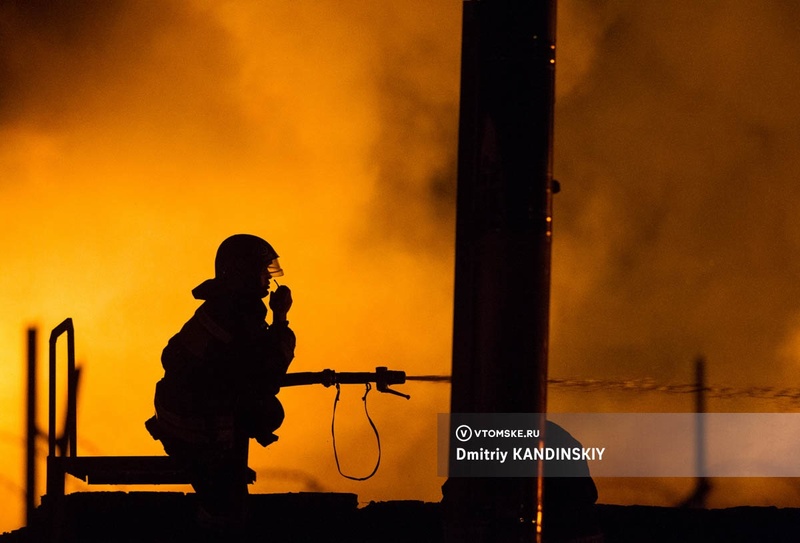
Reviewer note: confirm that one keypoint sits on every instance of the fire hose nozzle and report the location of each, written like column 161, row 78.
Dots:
column 385, row 377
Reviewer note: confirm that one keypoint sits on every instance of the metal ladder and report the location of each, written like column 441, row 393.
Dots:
column 106, row 470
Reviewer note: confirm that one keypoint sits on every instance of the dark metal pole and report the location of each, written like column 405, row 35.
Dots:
column 30, row 431
column 702, row 485
column 700, row 409
column 503, row 247
column 55, row 477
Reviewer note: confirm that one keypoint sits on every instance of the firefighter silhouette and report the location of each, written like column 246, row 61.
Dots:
column 222, row 372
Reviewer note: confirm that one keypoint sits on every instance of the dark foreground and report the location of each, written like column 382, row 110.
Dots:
column 328, row 518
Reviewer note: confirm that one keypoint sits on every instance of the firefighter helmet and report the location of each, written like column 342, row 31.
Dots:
column 243, row 259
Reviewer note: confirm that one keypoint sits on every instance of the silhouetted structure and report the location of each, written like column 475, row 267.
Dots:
column 168, row 517
column 702, row 485
column 503, row 246
column 31, row 432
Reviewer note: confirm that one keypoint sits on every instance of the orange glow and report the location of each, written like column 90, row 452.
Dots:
column 133, row 140
column 139, row 148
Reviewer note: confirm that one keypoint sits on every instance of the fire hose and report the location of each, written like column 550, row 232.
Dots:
column 382, row 377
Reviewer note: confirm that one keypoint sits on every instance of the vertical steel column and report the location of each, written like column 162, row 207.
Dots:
column 702, row 484
column 700, row 410
column 503, row 247
column 30, row 431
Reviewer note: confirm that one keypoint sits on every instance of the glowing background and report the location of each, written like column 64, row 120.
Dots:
column 134, row 139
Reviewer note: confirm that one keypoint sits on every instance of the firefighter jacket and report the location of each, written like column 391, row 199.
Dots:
column 222, row 372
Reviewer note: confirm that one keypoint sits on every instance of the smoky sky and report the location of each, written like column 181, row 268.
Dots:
column 134, row 70
column 676, row 232
column 135, row 138
column 676, row 146
column 416, row 152
column 50, row 51
column 677, row 228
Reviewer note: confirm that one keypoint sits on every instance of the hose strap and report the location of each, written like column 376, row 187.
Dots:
column 374, row 429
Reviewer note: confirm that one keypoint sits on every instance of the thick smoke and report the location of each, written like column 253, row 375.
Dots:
column 677, row 148
column 676, row 230
column 134, row 137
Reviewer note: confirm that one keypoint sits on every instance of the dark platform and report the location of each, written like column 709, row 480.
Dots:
column 138, row 517
column 127, row 470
